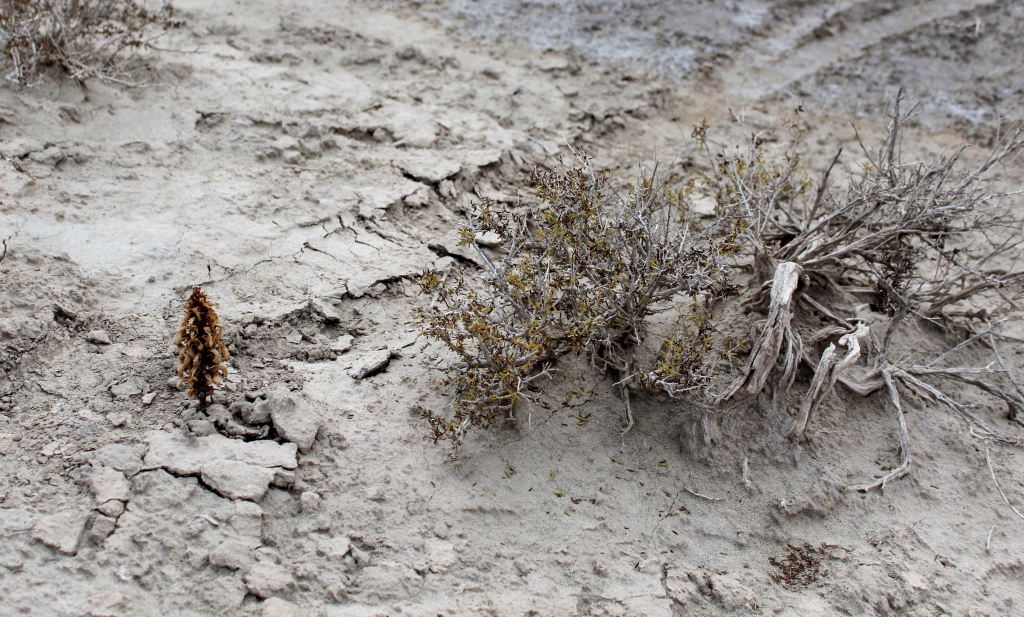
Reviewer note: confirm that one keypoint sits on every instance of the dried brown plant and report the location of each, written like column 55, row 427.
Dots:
column 86, row 38
column 201, row 352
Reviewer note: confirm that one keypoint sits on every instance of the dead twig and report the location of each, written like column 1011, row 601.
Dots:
column 992, row 471
column 904, row 466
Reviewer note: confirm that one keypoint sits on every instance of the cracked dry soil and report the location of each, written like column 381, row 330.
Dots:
column 303, row 162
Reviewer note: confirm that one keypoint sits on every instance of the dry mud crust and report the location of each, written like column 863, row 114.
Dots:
column 302, row 162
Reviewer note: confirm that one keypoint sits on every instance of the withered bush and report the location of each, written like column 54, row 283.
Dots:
column 86, row 38
column 201, row 351
column 581, row 273
column 917, row 237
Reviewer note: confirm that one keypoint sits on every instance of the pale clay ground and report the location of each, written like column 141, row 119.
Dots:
column 303, row 161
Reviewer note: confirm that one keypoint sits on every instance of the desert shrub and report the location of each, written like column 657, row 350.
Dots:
column 86, row 38
column 920, row 237
column 581, row 273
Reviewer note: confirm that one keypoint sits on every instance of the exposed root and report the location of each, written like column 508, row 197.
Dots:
column 904, row 467
column 992, row 471
column 825, row 377
column 765, row 352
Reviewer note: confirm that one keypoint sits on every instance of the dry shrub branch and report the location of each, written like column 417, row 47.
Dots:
column 581, row 273
column 922, row 238
column 85, row 38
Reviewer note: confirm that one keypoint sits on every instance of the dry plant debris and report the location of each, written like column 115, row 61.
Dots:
column 799, row 568
column 86, row 38
column 580, row 274
column 920, row 237
column 201, row 352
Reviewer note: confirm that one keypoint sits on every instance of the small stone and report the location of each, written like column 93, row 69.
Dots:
column 259, row 413
column 118, row 419
column 292, row 157
column 101, row 528
column 147, row 399
column 19, row 148
column 61, row 531
column 236, row 429
column 174, row 383
column 112, row 508
column 343, row 344
column 237, row 480
column 121, row 457
column 294, row 419
column 98, row 337
column 51, row 156
column 266, row 580
column 310, row 501
column 276, row 607
column 50, row 449
column 201, row 428
column 372, row 364
column 334, row 548
column 283, row 478
column 185, row 456
column 108, row 484
column 231, row 554
column 218, row 414
column 126, row 389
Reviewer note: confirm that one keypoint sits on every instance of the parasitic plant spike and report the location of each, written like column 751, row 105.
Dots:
column 201, row 352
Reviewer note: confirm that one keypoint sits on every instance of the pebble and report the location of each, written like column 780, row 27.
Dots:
column 118, row 419
column 107, row 484
column 293, row 418
column 51, row 156
column 237, row 480
column 61, row 531
column 126, row 389
column 121, row 457
column 310, row 501
column 372, row 364
column 276, row 607
column 102, row 527
column 19, row 148
column 258, row 413
column 231, row 554
column 98, row 337
column 265, row 580
column 112, row 508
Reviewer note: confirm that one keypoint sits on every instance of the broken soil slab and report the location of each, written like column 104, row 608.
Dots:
column 181, row 455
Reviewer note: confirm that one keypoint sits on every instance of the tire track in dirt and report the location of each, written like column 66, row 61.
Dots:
column 810, row 45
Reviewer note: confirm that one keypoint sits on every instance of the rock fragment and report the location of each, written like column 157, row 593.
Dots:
column 61, row 531
column 182, row 456
column 98, row 337
column 108, row 484
column 373, row 363
column 124, row 458
column 266, row 580
column 102, row 527
column 276, row 607
column 237, row 480
column 231, row 554
column 126, row 389
column 294, row 419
